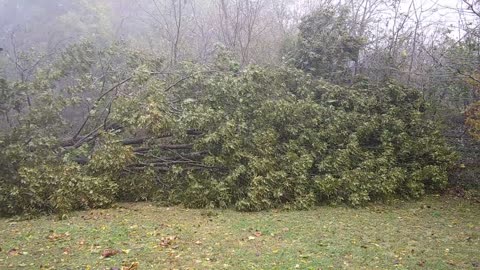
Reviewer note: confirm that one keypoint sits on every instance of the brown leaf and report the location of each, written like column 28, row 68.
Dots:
column 54, row 236
column 258, row 233
column 109, row 253
column 14, row 252
column 167, row 241
column 133, row 266
column 66, row 251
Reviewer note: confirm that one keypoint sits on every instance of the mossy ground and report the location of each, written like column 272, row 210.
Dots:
column 434, row 233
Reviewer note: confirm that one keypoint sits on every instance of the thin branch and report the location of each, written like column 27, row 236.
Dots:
column 114, row 87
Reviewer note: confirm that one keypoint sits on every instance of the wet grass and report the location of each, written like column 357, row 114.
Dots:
column 435, row 233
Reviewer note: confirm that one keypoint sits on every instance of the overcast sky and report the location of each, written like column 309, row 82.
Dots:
column 443, row 12
column 447, row 10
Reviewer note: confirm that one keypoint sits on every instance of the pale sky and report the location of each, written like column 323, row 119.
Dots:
column 445, row 12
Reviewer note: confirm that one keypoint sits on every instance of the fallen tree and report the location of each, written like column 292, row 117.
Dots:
column 252, row 139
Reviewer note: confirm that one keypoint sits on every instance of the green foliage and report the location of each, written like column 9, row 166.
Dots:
column 263, row 138
column 473, row 120
column 63, row 188
column 279, row 138
column 36, row 181
column 37, row 173
column 325, row 46
column 136, row 186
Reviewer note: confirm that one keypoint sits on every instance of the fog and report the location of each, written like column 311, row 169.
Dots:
column 191, row 29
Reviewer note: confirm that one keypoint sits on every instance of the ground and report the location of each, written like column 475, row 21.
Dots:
column 434, row 233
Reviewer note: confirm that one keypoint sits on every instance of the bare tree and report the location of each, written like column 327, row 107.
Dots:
column 239, row 24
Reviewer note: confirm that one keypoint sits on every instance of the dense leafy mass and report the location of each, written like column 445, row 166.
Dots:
column 281, row 138
column 473, row 120
column 253, row 138
column 326, row 46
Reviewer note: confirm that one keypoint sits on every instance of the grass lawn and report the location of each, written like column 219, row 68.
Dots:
column 435, row 233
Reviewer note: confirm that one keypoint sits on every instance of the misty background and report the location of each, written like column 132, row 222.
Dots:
column 258, row 31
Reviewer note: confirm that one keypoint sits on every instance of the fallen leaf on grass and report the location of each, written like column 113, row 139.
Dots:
column 14, row 252
column 133, row 266
column 57, row 236
column 66, row 251
column 258, row 233
column 168, row 241
column 109, row 253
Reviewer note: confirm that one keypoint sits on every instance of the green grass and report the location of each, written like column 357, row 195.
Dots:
column 435, row 233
